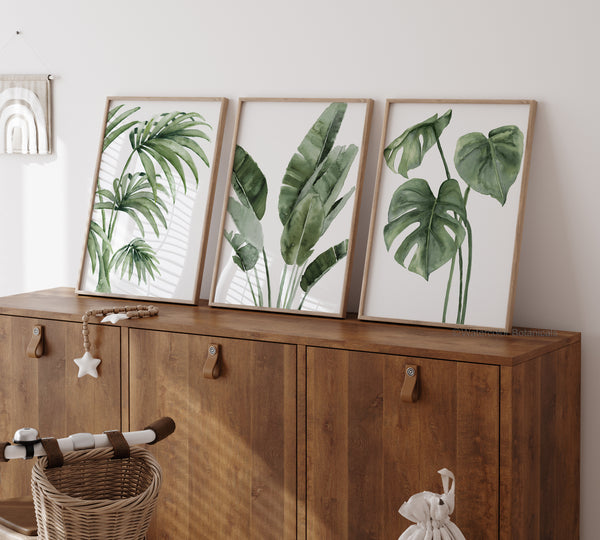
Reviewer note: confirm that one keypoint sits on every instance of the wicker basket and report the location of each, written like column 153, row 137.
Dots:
column 94, row 497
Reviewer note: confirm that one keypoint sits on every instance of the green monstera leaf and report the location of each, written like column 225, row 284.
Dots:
column 490, row 165
column 249, row 182
column 413, row 203
column 414, row 143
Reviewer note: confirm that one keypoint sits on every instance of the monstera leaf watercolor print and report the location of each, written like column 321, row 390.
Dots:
column 152, row 198
column 289, row 217
column 447, row 214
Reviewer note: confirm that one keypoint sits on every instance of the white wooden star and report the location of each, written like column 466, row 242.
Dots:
column 115, row 317
column 87, row 365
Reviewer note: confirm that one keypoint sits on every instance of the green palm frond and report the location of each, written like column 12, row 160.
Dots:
column 136, row 256
column 115, row 127
column 133, row 195
column 167, row 142
column 97, row 242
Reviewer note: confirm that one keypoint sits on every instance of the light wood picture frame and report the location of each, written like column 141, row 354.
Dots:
column 152, row 198
column 290, row 212
column 447, row 213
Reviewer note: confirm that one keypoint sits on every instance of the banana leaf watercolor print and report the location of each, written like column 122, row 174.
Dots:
column 152, row 199
column 289, row 215
column 447, row 213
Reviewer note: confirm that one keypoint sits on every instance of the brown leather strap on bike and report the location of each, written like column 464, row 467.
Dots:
column 53, row 453
column 119, row 444
column 3, row 446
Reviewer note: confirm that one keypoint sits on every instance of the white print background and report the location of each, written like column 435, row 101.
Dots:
column 271, row 133
column 178, row 247
column 395, row 293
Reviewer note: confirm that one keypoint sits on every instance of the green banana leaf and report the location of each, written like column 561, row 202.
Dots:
column 413, row 203
column 246, row 255
column 322, row 264
column 328, row 180
column 249, row 183
column 247, row 223
column 414, row 143
column 313, row 150
column 337, row 165
column 114, row 127
column 302, row 230
column 136, row 256
column 490, row 165
column 168, row 141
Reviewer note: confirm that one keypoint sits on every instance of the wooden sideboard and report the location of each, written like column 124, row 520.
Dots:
column 304, row 430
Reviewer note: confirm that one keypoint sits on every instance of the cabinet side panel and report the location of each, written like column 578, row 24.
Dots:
column 521, row 385
column 560, row 406
column 540, row 447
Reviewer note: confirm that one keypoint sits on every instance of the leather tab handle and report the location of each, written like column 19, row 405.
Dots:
column 212, row 368
column 53, row 453
column 35, row 349
column 410, row 387
column 119, row 444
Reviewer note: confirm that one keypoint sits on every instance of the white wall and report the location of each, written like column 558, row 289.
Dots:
column 545, row 50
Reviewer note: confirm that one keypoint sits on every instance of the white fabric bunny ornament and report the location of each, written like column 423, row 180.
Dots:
column 431, row 513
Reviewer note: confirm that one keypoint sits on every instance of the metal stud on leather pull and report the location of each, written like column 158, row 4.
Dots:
column 35, row 349
column 410, row 387
column 212, row 369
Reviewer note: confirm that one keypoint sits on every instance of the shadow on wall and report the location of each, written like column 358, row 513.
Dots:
column 547, row 281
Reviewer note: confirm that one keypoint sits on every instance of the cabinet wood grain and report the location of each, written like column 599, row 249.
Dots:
column 46, row 393
column 368, row 451
column 302, row 431
column 230, row 468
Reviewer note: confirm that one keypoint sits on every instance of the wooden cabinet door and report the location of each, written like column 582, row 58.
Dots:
column 368, row 451
column 229, row 470
column 46, row 393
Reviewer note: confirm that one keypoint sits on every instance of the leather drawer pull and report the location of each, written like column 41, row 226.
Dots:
column 212, row 369
column 410, row 387
column 35, row 349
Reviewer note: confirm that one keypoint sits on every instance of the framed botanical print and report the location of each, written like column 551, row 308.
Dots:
column 447, row 213
column 153, row 195
column 289, row 218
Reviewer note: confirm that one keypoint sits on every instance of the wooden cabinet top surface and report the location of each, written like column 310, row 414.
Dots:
column 443, row 343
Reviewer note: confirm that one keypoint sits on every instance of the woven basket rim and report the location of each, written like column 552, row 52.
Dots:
column 38, row 475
